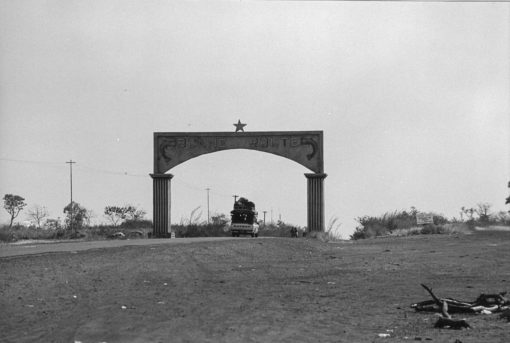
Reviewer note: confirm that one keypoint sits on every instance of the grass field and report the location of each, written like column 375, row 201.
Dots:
column 255, row 290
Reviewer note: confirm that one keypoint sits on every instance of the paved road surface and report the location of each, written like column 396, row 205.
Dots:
column 35, row 247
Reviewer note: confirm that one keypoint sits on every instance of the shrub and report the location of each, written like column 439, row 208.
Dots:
column 20, row 232
column 136, row 224
column 397, row 221
column 130, row 229
column 431, row 229
column 6, row 236
column 440, row 219
column 325, row 236
column 200, row 230
column 448, row 228
column 281, row 229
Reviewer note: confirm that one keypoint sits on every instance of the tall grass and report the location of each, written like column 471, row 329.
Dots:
column 331, row 232
column 19, row 232
column 130, row 229
column 279, row 230
column 200, row 230
column 138, row 229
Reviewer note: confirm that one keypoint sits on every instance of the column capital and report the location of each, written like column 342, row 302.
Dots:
column 161, row 176
column 316, row 175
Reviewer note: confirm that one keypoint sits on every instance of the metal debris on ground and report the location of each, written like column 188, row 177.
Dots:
column 484, row 304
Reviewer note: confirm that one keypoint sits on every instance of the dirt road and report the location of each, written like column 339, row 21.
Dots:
column 253, row 290
column 44, row 247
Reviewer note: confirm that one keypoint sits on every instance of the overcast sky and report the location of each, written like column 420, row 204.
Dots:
column 413, row 99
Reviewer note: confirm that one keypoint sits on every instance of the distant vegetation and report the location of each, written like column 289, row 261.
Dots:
column 220, row 228
column 56, row 231
column 400, row 223
column 125, row 222
column 128, row 221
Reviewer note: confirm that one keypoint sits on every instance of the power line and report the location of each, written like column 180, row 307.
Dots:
column 104, row 171
column 80, row 167
column 85, row 168
column 30, row 161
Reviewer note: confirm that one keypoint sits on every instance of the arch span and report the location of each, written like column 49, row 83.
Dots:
column 174, row 148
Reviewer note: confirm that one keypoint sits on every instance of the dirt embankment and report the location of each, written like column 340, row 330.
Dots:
column 253, row 290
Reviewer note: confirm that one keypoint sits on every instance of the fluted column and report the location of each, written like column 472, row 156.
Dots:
column 315, row 201
column 161, row 205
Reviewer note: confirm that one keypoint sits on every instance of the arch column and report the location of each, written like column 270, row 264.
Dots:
column 315, row 201
column 161, row 200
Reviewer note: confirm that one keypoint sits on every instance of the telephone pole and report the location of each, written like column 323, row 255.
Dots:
column 208, row 189
column 71, row 162
column 264, row 218
column 235, row 198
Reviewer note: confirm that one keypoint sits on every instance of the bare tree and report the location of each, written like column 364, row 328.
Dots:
column 483, row 210
column 469, row 212
column 37, row 213
column 88, row 217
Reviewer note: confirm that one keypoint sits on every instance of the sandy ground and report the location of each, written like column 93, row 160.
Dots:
column 253, row 290
column 32, row 247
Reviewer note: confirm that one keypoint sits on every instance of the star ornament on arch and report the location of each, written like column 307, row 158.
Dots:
column 239, row 126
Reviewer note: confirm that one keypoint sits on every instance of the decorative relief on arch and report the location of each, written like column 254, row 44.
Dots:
column 174, row 148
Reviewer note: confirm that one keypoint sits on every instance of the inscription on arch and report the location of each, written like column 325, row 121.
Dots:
column 174, row 148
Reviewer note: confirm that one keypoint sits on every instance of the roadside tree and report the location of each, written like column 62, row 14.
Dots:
column 134, row 214
column 13, row 204
column 37, row 213
column 115, row 214
column 75, row 215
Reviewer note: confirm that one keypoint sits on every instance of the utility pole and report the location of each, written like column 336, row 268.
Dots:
column 264, row 218
column 208, row 189
column 71, row 162
column 235, row 198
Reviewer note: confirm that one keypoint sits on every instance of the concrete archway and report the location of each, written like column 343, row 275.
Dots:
column 174, row 148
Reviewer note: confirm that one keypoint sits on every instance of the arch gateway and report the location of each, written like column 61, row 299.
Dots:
column 174, row 148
